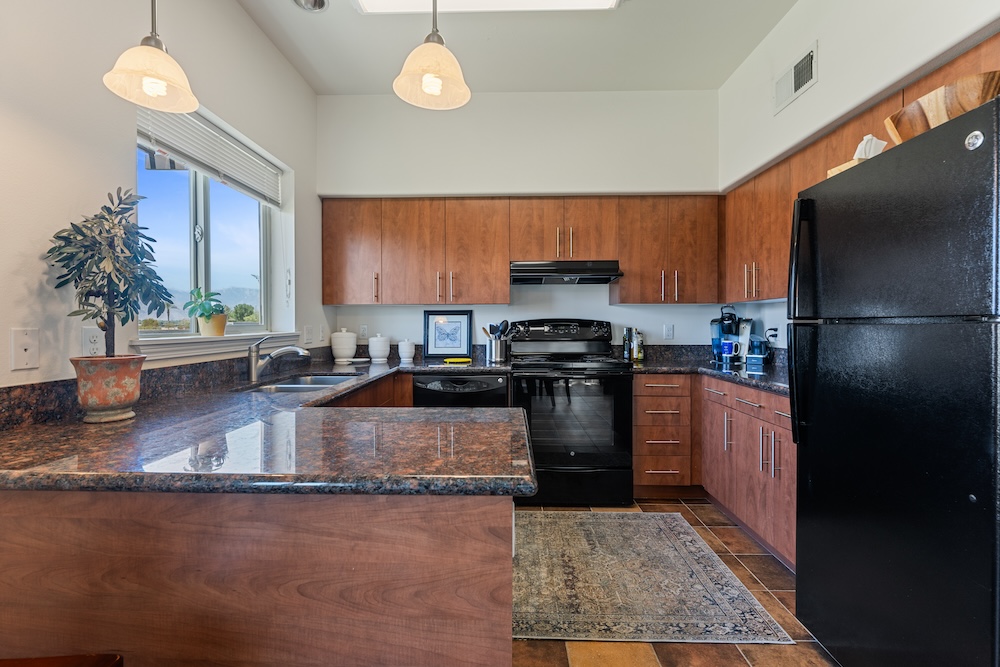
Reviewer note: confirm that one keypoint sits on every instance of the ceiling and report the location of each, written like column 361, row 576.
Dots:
column 644, row 45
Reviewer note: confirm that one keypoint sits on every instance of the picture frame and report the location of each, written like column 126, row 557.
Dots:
column 447, row 333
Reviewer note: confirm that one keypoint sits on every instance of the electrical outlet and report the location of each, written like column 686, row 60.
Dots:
column 364, row 331
column 92, row 339
column 668, row 332
column 307, row 334
column 23, row 349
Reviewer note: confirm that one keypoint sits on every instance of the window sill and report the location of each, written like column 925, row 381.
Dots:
column 178, row 347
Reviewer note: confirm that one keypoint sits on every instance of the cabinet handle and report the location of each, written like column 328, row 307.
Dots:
column 725, row 431
column 676, row 293
column 451, row 285
column 773, row 460
column 756, row 291
column 439, row 287
column 746, row 285
column 663, row 288
column 672, row 386
column 715, row 391
column 663, row 412
column 571, row 243
column 782, row 414
column 663, row 442
column 375, row 286
column 752, row 405
column 558, row 242
column 760, row 445
column 663, row 472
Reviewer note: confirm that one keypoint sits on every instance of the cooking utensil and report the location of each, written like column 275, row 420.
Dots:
column 504, row 328
column 488, row 335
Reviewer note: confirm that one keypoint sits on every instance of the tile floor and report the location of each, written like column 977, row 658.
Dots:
column 764, row 575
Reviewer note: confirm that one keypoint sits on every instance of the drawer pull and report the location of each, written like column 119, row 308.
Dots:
column 663, row 442
column 715, row 391
column 663, row 472
column 672, row 386
column 663, row 412
column 782, row 414
column 751, row 404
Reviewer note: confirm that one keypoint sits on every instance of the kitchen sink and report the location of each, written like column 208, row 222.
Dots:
column 305, row 383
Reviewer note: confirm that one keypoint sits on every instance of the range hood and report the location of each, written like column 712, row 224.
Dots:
column 569, row 272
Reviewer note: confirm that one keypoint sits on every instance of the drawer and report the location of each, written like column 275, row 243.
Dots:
column 716, row 390
column 661, row 470
column 779, row 410
column 750, row 401
column 661, row 441
column 661, row 385
column 666, row 411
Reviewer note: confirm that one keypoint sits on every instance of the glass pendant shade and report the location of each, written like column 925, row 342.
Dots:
column 431, row 78
column 149, row 77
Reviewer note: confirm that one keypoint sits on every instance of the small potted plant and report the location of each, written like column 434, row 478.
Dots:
column 210, row 312
column 109, row 262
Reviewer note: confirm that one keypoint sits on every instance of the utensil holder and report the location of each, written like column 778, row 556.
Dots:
column 496, row 351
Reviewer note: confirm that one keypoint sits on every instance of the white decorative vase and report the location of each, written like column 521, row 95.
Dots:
column 344, row 344
column 407, row 349
column 378, row 349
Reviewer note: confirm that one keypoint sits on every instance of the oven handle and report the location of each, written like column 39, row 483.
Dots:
column 574, row 468
column 568, row 374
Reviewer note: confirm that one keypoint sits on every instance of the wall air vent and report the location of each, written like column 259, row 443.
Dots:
column 796, row 79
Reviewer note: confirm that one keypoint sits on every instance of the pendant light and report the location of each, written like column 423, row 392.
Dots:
column 147, row 76
column 431, row 77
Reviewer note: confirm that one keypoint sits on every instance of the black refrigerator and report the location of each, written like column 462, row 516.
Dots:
column 894, row 346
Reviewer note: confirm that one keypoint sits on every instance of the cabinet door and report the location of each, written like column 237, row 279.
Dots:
column 643, row 242
column 716, row 451
column 781, row 492
column 692, row 269
column 352, row 250
column 535, row 228
column 772, row 199
column 413, row 251
column 750, row 472
column 738, row 243
column 590, row 228
column 477, row 232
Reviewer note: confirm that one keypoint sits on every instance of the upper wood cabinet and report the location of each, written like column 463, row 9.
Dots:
column 477, row 235
column 757, row 235
column 668, row 249
column 352, row 250
column 413, row 251
column 556, row 228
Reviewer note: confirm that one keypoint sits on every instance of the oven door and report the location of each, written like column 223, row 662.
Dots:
column 580, row 424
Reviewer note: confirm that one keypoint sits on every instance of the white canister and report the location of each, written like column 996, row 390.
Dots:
column 344, row 344
column 378, row 349
column 407, row 348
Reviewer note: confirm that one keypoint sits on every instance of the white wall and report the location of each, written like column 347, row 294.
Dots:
column 866, row 49
column 529, row 143
column 67, row 140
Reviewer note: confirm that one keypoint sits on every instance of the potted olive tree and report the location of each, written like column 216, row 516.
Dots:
column 109, row 262
column 209, row 310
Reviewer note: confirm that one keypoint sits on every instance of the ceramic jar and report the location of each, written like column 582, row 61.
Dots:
column 378, row 349
column 344, row 344
column 407, row 348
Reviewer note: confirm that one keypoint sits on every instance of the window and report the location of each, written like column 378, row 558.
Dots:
column 210, row 215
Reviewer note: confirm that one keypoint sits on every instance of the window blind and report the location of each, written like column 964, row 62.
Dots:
column 197, row 141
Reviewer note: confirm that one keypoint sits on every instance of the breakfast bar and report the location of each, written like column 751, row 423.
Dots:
column 253, row 529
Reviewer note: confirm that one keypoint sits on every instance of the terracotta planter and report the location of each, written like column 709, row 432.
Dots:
column 213, row 327
column 108, row 387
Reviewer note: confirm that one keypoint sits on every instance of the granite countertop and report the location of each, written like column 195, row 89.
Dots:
column 773, row 378
column 255, row 442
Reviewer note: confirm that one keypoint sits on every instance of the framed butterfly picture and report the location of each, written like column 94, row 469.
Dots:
column 447, row 333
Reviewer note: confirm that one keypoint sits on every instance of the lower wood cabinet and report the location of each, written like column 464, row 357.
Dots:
column 749, row 460
column 379, row 394
column 661, row 431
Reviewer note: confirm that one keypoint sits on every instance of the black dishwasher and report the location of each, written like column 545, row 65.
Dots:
column 460, row 391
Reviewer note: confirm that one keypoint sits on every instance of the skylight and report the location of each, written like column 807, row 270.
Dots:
column 455, row 6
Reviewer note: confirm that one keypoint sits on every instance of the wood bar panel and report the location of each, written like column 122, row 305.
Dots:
column 188, row 579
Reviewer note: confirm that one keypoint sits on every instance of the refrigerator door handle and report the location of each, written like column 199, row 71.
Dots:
column 802, row 212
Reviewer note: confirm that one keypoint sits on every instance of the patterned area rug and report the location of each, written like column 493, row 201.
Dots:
column 628, row 576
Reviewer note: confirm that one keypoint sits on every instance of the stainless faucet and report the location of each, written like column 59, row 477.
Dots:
column 256, row 364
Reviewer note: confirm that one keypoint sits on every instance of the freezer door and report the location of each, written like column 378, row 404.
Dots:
column 897, row 519
column 911, row 232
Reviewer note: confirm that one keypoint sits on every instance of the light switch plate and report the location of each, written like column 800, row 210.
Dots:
column 307, row 334
column 23, row 349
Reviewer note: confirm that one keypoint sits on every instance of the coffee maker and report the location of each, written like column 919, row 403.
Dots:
column 730, row 337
